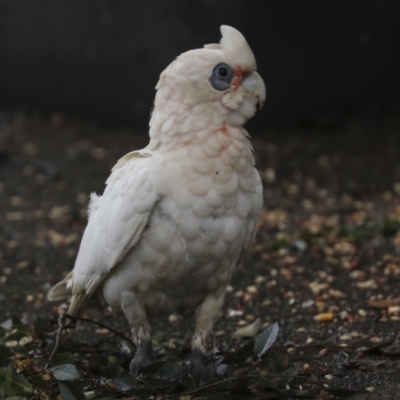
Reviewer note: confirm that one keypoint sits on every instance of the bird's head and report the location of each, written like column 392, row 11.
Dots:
column 219, row 83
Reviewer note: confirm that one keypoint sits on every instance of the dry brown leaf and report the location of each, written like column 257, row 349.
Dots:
column 250, row 330
column 324, row 317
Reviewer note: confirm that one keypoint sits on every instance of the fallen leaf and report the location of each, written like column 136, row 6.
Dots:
column 266, row 340
column 250, row 330
column 324, row 317
column 65, row 372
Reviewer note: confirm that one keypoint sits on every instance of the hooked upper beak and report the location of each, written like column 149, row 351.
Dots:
column 254, row 85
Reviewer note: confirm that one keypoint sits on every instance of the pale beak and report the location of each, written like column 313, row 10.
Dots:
column 254, row 86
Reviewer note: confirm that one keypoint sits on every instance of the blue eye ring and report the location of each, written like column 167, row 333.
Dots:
column 221, row 77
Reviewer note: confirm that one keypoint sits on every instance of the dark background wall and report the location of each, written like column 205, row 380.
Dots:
column 101, row 59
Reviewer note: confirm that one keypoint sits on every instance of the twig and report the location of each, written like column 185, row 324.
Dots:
column 117, row 333
column 61, row 326
column 188, row 393
column 103, row 341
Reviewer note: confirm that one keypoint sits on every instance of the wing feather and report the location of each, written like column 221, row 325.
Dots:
column 257, row 203
column 116, row 222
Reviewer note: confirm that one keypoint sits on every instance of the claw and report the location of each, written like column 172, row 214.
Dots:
column 197, row 365
column 141, row 358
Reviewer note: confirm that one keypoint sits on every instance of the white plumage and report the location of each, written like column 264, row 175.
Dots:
column 177, row 216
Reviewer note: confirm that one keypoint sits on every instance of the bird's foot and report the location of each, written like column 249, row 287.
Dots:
column 199, row 368
column 141, row 358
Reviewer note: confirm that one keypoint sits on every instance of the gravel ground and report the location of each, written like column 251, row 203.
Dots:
column 325, row 264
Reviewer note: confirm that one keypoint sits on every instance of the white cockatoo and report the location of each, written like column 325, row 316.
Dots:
column 176, row 217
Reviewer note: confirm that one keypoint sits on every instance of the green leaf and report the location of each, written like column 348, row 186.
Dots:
column 266, row 340
column 65, row 372
column 7, row 324
column 112, row 372
column 168, row 371
column 21, row 350
column 4, row 352
column 17, row 334
column 13, row 383
column 69, row 391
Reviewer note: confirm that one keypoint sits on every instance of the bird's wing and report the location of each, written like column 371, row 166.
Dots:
column 248, row 240
column 116, row 222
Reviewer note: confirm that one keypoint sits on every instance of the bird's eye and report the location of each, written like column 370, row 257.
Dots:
column 223, row 71
column 221, row 77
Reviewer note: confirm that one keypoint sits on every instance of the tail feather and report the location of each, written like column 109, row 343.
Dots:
column 77, row 302
column 61, row 291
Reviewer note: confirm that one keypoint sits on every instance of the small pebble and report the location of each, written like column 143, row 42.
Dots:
column 102, row 331
column 23, row 265
column 266, row 303
column 252, row 289
column 234, row 313
column 229, row 289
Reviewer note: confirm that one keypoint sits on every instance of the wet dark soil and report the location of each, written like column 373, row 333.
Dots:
column 325, row 264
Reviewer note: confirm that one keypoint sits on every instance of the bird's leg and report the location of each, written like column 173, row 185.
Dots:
column 143, row 352
column 206, row 314
column 141, row 331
